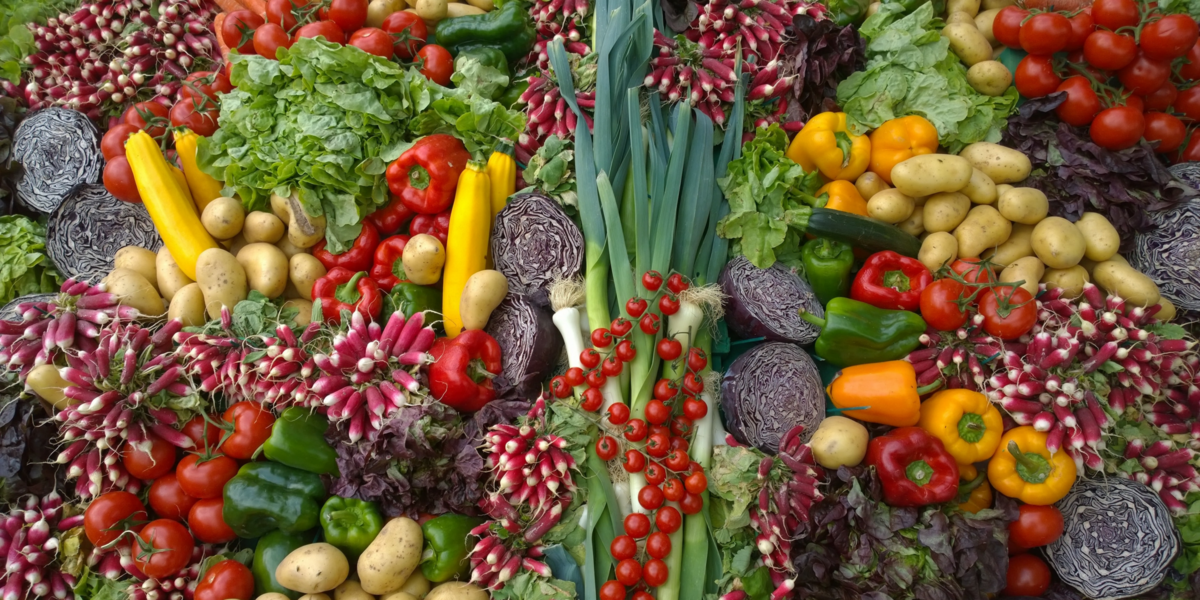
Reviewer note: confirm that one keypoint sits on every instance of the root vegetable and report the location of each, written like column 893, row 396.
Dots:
column 45, row 381
column 132, row 289
column 262, row 227
column 170, row 277
column 983, row 228
column 458, row 9
column 304, row 270
column 222, row 279
column 351, row 590
column 983, row 22
column 980, row 189
column 432, row 10
column 223, row 218
column 266, row 268
column 289, row 249
column 416, row 585
column 305, row 310
column 1099, row 236
column 313, row 568
column 1126, row 282
column 378, row 10
column 970, row 7
column 839, row 442
column 389, row 561
column 483, row 292
column 1028, row 269
column 929, row 174
column 457, row 590
column 1018, row 245
column 423, row 259
column 869, row 184
column 915, row 224
column 989, row 77
column 304, row 230
column 1003, row 165
column 272, row 596
column 1167, row 312
column 140, row 261
column 188, row 306
column 967, row 42
column 1058, row 243
column 944, row 211
column 890, row 206
column 1024, row 205
column 939, row 249
column 1070, row 281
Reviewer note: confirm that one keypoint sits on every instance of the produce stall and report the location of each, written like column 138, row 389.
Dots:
column 607, row 300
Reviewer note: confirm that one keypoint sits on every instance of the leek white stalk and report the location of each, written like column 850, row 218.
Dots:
column 684, row 325
column 565, row 295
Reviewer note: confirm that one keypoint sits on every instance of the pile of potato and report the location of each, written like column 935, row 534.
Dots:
column 966, row 206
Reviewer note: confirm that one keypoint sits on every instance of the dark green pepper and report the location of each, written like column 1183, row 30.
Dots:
column 487, row 56
column 856, row 333
column 512, row 94
column 508, row 28
column 270, row 551
column 827, row 265
column 411, row 298
column 848, row 12
column 298, row 440
column 264, row 496
column 446, row 547
column 350, row 525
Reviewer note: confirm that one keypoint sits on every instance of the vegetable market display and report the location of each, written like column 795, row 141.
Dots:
column 612, row 300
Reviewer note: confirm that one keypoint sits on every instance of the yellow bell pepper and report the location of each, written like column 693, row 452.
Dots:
column 899, row 140
column 204, row 189
column 844, row 196
column 966, row 422
column 466, row 241
column 974, row 494
column 826, row 145
column 886, row 391
column 1023, row 468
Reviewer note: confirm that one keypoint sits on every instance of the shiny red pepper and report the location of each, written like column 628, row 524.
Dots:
column 888, row 280
column 342, row 289
column 358, row 257
column 391, row 218
column 387, row 259
column 463, row 368
column 426, row 175
column 914, row 467
column 436, row 225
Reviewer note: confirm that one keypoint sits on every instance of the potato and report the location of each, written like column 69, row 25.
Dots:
column 423, row 259
column 304, row 308
column 1028, row 269
column 967, row 43
column 262, row 227
column 431, row 10
column 1003, row 165
column 1099, row 236
column 869, row 184
column 133, row 290
column 915, row 225
column 236, row 244
column 140, row 261
column 1058, row 242
column 482, row 293
column 1090, row 264
column 319, row 597
column 970, row 7
column 170, row 277
column 931, row 173
column 890, row 206
column 943, row 212
column 839, row 442
column 378, row 10
column 1127, row 282
column 873, row 8
column 351, row 590
column 304, row 270
column 1001, row 188
column 1070, row 281
column 223, row 218
column 416, row 585
column 457, row 590
column 1018, row 245
column 272, row 596
column 939, row 248
column 996, row 4
column 291, row 293
column 304, row 230
column 289, row 249
column 188, row 306
column 484, row 5
column 1167, row 312
column 989, row 77
column 982, row 229
column 223, row 281
column 458, row 9
column 1024, row 205
column 266, row 268
column 313, row 568
column 984, row 21
column 981, row 189
column 48, row 384
column 392, row 556
column 399, row 596
column 962, row 17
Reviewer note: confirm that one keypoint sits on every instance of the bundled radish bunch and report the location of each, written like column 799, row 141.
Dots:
column 125, row 388
column 547, row 113
column 1165, row 468
column 495, row 561
column 29, row 543
column 182, row 585
column 109, row 52
column 562, row 20
column 784, row 500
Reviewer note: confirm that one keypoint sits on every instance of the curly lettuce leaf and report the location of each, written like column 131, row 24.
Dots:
column 24, row 266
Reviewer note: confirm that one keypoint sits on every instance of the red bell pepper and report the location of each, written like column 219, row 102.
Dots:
column 914, row 467
column 387, row 259
column 358, row 257
column 426, row 175
column 342, row 289
column 463, row 368
column 391, row 218
column 888, row 280
column 436, row 225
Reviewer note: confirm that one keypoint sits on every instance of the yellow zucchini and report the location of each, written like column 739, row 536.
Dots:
column 204, row 189
column 502, row 170
column 466, row 241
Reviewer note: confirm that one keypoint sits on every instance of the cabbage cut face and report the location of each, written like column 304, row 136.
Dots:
column 767, row 391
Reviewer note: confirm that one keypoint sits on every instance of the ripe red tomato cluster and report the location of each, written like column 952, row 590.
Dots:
column 1007, row 313
column 402, row 35
column 1152, row 56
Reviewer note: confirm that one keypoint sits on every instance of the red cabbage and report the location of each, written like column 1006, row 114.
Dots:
column 535, row 243
column 529, row 342
column 767, row 391
column 58, row 150
column 1169, row 252
column 767, row 302
column 90, row 225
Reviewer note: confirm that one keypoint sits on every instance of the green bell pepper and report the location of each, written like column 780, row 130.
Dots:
column 298, row 440
column 411, row 298
column 856, row 333
column 508, row 28
column 512, row 94
column 848, row 12
column 446, row 547
column 827, row 265
column 350, row 525
column 267, row 495
column 488, row 57
column 270, row 551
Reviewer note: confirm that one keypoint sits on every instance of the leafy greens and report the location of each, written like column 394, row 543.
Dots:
column 24, row 266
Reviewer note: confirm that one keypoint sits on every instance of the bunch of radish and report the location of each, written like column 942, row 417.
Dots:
column 180, row 586
column 547, row 113
column 111, row 52
column 29, row 545
column 562, row 20
column 495, row 561
column 1165, row 468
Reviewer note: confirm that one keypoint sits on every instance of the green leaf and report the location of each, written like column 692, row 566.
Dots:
column 1111, row 367
column 1167, row 331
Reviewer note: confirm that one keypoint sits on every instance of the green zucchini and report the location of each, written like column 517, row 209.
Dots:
column 861, row 232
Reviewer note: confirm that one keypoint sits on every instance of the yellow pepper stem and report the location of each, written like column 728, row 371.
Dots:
column 1033, row 468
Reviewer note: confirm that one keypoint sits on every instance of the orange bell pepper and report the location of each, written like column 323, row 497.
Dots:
column 826, row 145
column 844, row 196
column 898, row 140
column 974, row 494
column 884, row 393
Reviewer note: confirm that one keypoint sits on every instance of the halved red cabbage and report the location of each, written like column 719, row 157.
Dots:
column 535, row 243
column 529, row 342
column 58, row 149
column 767, row 391
column 766, row 302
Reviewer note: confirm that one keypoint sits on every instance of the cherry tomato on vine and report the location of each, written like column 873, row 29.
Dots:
column 150, row 460
column 620, row 326
column 595, row 379
column 593, row 399
column 1035, row 76
column 1165, row 129
column 629, row 572
column 939, row 305
column 634, row 461
column 437, row 64
column 1044, row 33
column 111, row 514
column 1190, row 152
column 207, row 520
column 623, row 547
column 1169, row 37
column 602, row 338
column 673, row 490
column 1081, row 104
column 669, row 349
column 1144, row 75
column 350, row 15
column 657, row 413
column 693, row 384
column 665, row 389
column 1161, row 99
column 612, row 590
column 270, row 37
column 658, row 445
column 326, row 29
column 696, row 483
column 618, row 414
column 655, row 572
column 635, row 430
column 625, row 351
column 1190, row 69
column 651, row 497
column 681, row 426
column 1011, row 322
column 1188, row 103
column 642, row 595
column 607, row 448
column 649, row 323
column 408, row 31
column 691, row 504
column 112, row 144
column 168, row 500
column 372, row 40
column 1007, row 26
column 1118, row 128
column 1035, row 527
column 560, row 388
column 680, row 444
column 677, row 283
column 636, row 306
column 280, row 13
column 118, row 180
column 655, row 474
column 694, row 409
column 1027, row 575
column 652, row 280
column 971, row 272
column 611, row 367
column 165, row 548
column 637, row 525
column 574, row 376
column 658, row 545
column 1115, row 14
column 663, row 429
column 668, row 519
column 696, row 360
column 590, row 358
column 677, row 461
column 226, row 580
column 668, row 304
column 238, row 29
column 1109, row 51
column 1082, row 26
column 205, row 479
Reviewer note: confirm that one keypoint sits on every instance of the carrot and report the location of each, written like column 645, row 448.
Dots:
column 230, row 5
column 258, row 7
column 217, row 23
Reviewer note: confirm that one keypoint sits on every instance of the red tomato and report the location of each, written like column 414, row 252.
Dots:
column 170, row 548
column 623, row 547
column 612, row 590
column 658, row 545
column 1191, row 153
column 970, row 271
column 1165, row 129
column 655, row 572
column 1035, row 527
column 205, row 84
column 692, row 504
column 1162, row 98
column 628, row 572
column 207, row 520
column 373, row 41
column 1169, row 37
column 205, row 435
column 1109, row 51
column 409, row 31
column 118, row 180
column 1115, row 14
column 198, row 115
column 167, row 498
column 269, row 38
column 280, row 13
column 326, row 29
column 1190, row 69
column 1007, row 26
column 1144, row 75
column 1028, row 575
column 226, row 580
column 637, row 525
column 1035, row 76
column 1044, row 33
column 1118, row 128
column 238, row 29
column 1136, row 103
column 205, row 479
column 251, row 427
column 148, row 116
column 110, row 515
column 1012, row 321
column 1188, row 103
column 1082, row 26
column 668, row 519
column 350, row 15
column 938, row 305
column 112, row 144
column 155, row 458
column 696, row 483
column 438, row 64
column 1081, row 104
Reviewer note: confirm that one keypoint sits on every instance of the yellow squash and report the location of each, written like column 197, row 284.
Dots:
column 204, row 189
column 466, row 241
column 502, row 170
column 168, row 203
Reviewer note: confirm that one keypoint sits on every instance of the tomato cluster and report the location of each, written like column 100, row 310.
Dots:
column 1129, row 72
column 402, row 35
column 1003, row 311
